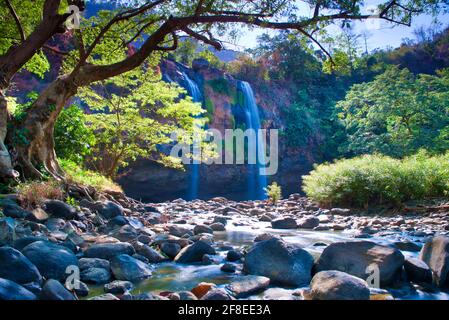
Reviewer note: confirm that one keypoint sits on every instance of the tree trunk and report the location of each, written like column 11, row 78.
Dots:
column 38, row 127
column 6, row 168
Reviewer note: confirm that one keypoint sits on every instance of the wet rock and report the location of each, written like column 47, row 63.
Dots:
column 118, row 287
column 217, row 295
column 9, row 290
column 187, row 296
column 435, row 254
column 202, row 229
column 229, row 268
column 16, row 267
column 308, row 223
column 264, row 237
column 118, row 221
column 407, row 246
column 125, row 267
column 283, row 263
column 54, row 290
column 152, row 255
column 354, row 257
column 95, row 275
column 233, row 256
column 109, row 250
column 220, row 219
column 81, row 289
column 217, row 226
column 202, row 288
column 7, row 231
column 179, row 231
column 125, row 233
column 141, row 258
column 337, row 285
column 170, row 249
column 15, row 211
column 59, row 209
column 21, row 243
column 110, row 209
column 51, row 260
column 340, row 211
column 284, row 223
column 248, row 285
column 105, row 297
column 194, row 252
column 87, row 263
column 417, row 271
column 265, row 218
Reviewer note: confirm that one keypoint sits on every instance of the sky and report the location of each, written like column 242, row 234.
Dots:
column 380, row 33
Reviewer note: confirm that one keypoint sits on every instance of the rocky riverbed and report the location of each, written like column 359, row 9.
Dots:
column 116, row 248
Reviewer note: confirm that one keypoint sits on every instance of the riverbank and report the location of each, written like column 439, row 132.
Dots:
column 220, row 249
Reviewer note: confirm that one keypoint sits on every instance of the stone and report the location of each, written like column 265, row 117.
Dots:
column 220, row 219
column 285, row 264
column 178, row 231
column 187, row 296
column 202, row 288
column 9, row 290
column 54, row 290
column 435, row 254
column 105, row 297
column 152, row 255
column 170, row 249
column 110, row 210
column 202, row 229
column 87, row 263
column 233, row 256
column 81, row 289
column 15, row 211
column 228, row 267
column 59, row 209
column 340, row 211
column 248, row 285
column 21, row 243
column 118, row 287
column 264, row 236
column 308, row 223
column 218, row 226
column 265, row 218
column 355, row 258
column 39, row 215
column 194, row 253
column 337, row 285
column 16, row 267
column 96, row 275
column 125, row 267
column 7, row 231
column 417, row 271
column 109, row 250
column 217, row 295
column 284, row 223
column 407, row 246
column 125, row 233
column 51, row 260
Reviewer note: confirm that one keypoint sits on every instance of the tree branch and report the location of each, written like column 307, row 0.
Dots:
column 214, row 43
column 16, row 19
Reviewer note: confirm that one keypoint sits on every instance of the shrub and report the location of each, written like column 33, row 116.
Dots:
column 79, row 175
column 378, row 180
column 33, row 194
column 274, row 192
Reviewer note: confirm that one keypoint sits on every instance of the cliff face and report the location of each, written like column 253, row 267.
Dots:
column 222, row 99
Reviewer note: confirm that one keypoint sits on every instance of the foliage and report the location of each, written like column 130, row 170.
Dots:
column 377, row 179
column 222, row 86
column 32, row 194
column 74, row 140
column 274, row 192
column 397, row 113
column 77, row 174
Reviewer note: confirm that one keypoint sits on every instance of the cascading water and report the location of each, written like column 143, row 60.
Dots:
column 195, row 92
column 257, row 181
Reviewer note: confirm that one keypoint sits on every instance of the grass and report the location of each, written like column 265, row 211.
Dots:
column 32, row 194
column 76, row 174
column 378, row 180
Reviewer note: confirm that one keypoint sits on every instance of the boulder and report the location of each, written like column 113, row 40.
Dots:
column 87, row 263
column 218, row 226
column 285, row 264
column 9, row 290
column 96, row 275
column 7, row 231
column 202, row 229
column 233, row 256
column 125, row 267
column 109, row 250
column 21, row 243
column 152, row 255
column 187, row 296
column 435, row 254
column 229, row 268
column 284, row 223
column 407, row 246
column 202, row 288
column 337, row 285
column 16, row 267
column 125, row 233
column 220, row 219
column 51, row 260
column 178, row 231
column 109, row 209
column 359, row 257
column 217, row 295
column 417, row 271
column 15, row 211
column 170, row 249
column 308, row 223
column 54, row 290
column 105, row 297
column 248, row 285
column 118, row 287
column 59, row 209
column 194, row 253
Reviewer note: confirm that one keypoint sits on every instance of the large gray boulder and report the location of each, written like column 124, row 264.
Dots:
column 435, row 254
column 59, row 209
column 9, row 290
column 337, row 285
column 284, row 223
column 95, row 275
column 51, row 260
column 248, row 285
column 54, row 290
column 109, row 209
column 417, row 271
column 285, row 264
column 194, row 253
column 125, row 267
column 109, row 250
column 360, row 258
column 16, row 267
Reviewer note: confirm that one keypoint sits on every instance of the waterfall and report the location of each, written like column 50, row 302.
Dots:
column 256, row 181
column 195, row 92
